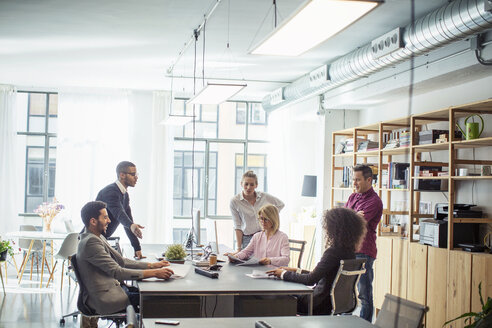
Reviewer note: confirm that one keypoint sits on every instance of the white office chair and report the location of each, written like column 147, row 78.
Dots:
column 67, row 249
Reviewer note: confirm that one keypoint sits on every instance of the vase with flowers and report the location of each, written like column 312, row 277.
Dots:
column 48, row 211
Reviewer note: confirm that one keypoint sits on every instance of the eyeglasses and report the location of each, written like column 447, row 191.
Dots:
column 133, row 174
column 263, row 219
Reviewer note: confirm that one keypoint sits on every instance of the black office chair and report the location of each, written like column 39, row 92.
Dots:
column 297, row 246
column 344, row 289
column 397, row 312
column 83, row 309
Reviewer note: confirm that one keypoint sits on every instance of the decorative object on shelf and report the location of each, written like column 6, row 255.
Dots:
column 48, row 211
column 175, row 253
column 392, row 144
column 340, row 148
column 481, row 319
column 431, row 136
column 485, row 170
column 6, row 247
column 472, row 128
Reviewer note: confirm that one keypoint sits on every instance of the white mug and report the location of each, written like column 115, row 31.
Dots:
column 463, row 172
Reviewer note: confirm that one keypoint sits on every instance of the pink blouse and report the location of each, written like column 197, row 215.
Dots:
column 276, row 249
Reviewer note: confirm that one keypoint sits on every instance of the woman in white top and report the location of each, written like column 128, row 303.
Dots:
column 244, row 207
column 270, row 246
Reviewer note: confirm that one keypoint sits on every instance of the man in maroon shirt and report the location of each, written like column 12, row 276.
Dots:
column 366, row 203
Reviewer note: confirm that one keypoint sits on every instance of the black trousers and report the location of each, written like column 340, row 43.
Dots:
column 133, row 295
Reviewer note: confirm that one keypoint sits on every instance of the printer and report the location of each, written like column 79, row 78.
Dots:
column 434, row 232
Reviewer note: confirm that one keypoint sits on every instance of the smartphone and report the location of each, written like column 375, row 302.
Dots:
column 167, row 322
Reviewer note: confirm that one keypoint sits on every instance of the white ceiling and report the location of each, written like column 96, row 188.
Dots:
column 130, row 44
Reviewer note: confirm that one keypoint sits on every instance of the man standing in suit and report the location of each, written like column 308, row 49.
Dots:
column 102, row 269
column 116, row 197
column 366, row 202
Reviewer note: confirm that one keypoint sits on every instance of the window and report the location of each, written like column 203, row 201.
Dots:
column 38, row 112
column 256, row 163
column 220, row 147
column 257, row 116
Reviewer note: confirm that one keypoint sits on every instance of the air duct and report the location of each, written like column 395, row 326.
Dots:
column 452, row 22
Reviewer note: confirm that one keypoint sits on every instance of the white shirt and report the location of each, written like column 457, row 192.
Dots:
column 121, row 186
column 245, row 215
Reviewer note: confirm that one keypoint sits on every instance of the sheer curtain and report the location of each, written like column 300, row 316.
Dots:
column 160, row 200
column 92, row 139
column 11, row 184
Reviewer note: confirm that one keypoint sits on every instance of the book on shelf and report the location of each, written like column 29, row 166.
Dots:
column 398, row 175
column 368, row 145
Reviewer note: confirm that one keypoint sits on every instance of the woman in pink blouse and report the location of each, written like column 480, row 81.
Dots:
column 270, row 245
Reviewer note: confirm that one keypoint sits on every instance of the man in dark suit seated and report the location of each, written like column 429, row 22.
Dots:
column 116, row 197
column 102, row 269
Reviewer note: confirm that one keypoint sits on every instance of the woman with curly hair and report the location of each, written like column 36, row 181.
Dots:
column 344, row 231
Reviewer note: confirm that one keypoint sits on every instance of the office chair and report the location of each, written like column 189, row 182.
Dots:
column 298, row 246
column 344, row 289
column 83, row 309
column 397, row 312
column 67, row 248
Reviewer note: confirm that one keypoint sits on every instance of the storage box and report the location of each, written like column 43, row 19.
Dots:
column 430, row 136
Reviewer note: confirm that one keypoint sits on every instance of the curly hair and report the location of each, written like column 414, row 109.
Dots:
column 344, row 228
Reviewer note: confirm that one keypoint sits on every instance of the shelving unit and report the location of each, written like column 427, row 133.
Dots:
column 404, row 267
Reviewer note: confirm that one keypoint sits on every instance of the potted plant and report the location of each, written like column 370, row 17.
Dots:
column 482, row 319
column 175, row 253
column 5, row 247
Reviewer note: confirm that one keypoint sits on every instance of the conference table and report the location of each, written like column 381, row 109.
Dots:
column 232, row 283
column 43, row 237
column 298, row 322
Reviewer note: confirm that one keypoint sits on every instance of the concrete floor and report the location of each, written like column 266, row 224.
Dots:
column 26, row 305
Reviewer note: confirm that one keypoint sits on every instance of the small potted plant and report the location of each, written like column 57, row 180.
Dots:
column 5, row 247
column 175, row 254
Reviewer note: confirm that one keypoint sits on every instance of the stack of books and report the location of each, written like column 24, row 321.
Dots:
column 405, row 139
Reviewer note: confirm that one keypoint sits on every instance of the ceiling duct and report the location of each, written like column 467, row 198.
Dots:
column 452, row 22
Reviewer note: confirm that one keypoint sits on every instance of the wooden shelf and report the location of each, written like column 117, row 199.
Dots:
column 472, row 220
column 344, row 155
column 392, row 189
column 370, row 153
column 479, row 177
column 432, row 178
column 480, row 142
column 431, row 147
column 396, row 151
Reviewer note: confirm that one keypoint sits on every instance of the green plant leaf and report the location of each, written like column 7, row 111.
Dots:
column 480, row 293
column 464, row 315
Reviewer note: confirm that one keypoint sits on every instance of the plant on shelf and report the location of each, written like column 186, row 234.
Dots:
column 481, row 319
column 48, row 211
column 175, row 252
column 6, row 247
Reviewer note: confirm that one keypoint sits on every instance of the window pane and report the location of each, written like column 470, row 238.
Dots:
column 35, row 179
column 178, row 158
column 52, row 125
column 37, row 124
column 37, row 104
column 241, row 113
column 53, row 103
column 225, row 173
column 209, row 113
column 32, row 203
column 228, row 126
column 178, row 107
column 257, row 129
column 202, row 130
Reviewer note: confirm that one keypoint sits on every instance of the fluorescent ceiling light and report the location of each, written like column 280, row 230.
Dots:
column 312, row 23
column 215, row 93
column 178, row 120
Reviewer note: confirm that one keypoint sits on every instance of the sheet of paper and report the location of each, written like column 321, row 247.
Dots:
column 257, row 274
column 180, row 270
column 234, row 259
column 252, row 261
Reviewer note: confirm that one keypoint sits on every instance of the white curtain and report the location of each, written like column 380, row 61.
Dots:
column 93, row 138
column 9, row 168
column 295, row 149
column 160, row 200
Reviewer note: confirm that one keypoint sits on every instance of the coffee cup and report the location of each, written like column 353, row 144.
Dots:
column 463, row 172
column 212, row 259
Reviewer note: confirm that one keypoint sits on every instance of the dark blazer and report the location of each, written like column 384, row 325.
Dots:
column 119, row 211
column 322, row 276
column 101, row 270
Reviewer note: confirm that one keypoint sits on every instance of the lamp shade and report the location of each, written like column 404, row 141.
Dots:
column 309, row 186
